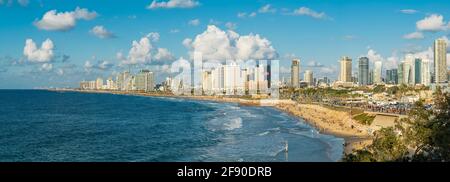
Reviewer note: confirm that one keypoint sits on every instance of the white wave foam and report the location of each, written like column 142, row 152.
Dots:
column 263, row 133
column 233, row 124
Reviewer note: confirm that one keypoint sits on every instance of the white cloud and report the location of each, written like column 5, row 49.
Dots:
column 214, row 22
column 304, row 11
column 100, row 65
column 101, row 32
column 10, row 2
column 408, row 11
column 35, row 54
column 290, row 56
column 194, row 22
column 163, row 54
column 231, row 25
column 154, row 36
column 388, row 63
column 432, row 23
column 61, row 21
column 314, row 64
column 253, row 14
column 241, row 14
column 414, row 35
column 139, row 52
column 46, row 67
column 216, row 44
column 60, row 71
column 143, row 52
column 267, row 9
column 174, row 31
column 173, row 4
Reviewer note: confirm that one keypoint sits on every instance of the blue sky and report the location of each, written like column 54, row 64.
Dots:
column 318, row 32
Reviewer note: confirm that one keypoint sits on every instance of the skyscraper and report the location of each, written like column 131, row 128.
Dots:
column 377, row 72
column 440, row 61
column 400, row 79
column 295, row 73
column 388, row 78
column 309, row 77
column 346, row 69
column 407, row 76
column 417, row 71
column 394, row 76
column 363, row 71
column 425, row 73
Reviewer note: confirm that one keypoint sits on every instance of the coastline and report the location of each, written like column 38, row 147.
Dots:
column 325, row 120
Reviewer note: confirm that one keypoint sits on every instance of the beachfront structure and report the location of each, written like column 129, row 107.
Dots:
column 308, row 76
column 123, row 81
column 233, row 79
column 295, row 73
column 110, row 85
column 440, row 60
column 346, row 69
column 99, row 83
column 144, row 81
column 377, row 72
column 207, row 82
column 363, row 71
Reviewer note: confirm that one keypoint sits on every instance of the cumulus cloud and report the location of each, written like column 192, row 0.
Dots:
column 432, row 23
column 194, row 22
column 414, row 35
column 46, row 67
column 143, row 51
column 36, row 54
column 388, row 63
column 408, row 11
column 101, row 32
column 163, row 54
column 99, row 65
column 245, row 15
column 216, row 44
column 267, row 9
column 62, row 21
column 154, row 36
column 304, row 11
column 231, row 25
column 314, row 64
column 173, row 4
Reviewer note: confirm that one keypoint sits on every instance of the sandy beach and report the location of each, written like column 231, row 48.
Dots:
column 326, row 120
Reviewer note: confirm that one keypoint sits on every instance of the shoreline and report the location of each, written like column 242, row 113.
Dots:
column 324, row 120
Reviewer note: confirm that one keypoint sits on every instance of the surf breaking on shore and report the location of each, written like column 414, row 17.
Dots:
column 325, row 120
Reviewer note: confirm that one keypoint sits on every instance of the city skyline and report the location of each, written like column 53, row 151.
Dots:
column 75, row 49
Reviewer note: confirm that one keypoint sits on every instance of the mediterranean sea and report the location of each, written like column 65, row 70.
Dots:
column 46, row 126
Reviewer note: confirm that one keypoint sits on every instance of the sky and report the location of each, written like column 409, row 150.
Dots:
column 47, row 43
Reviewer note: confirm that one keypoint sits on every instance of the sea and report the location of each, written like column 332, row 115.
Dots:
column 51, row 126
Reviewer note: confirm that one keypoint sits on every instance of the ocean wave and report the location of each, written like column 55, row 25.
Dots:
column 234, row 123
column 263, row 133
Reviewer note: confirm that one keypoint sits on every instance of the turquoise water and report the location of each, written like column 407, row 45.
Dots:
column 38, row 125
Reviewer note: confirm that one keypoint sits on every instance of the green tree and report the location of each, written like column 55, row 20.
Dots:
column 426, row 132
